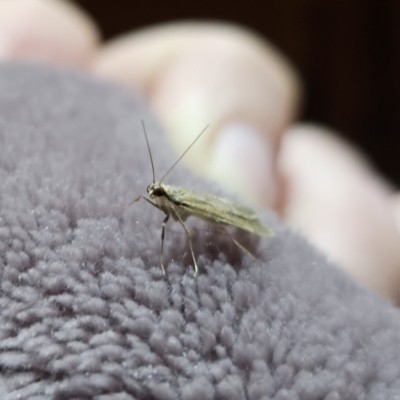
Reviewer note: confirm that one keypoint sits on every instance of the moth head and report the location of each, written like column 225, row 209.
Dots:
column 155, row 190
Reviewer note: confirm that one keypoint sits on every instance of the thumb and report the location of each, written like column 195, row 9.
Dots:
column 195, row 74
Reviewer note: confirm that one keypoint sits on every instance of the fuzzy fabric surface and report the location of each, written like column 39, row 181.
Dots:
column 85, row 310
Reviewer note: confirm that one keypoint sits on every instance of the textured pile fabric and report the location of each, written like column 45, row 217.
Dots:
column 85, row 311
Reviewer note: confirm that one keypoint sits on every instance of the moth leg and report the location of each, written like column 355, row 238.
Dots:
column 134, row 201
column 196, row 269
column 162, row 242
column 153, row 203
column 137, row 199
column 238, row 244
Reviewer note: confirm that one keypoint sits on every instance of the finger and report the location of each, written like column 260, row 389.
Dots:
column 396, row 209
column 196, row 74
column 46, row 30
column 335, row 198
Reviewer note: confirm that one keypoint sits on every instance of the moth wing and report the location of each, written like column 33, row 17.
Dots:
column 216, row 209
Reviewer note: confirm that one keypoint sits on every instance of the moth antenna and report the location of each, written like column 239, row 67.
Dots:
column 180, row 158
column 148, row 147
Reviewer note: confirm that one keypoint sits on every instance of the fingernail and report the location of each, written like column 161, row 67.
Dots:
column 242, row 160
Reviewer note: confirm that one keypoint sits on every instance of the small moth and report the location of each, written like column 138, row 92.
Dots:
column 181, row 203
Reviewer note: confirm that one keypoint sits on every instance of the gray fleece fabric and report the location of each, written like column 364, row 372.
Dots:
column 85, row 310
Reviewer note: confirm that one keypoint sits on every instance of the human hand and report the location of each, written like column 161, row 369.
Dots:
column 194, row 74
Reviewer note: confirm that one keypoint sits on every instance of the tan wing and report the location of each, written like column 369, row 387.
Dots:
column 216, row 209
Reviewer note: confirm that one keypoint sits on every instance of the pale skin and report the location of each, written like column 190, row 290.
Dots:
column 207, row 73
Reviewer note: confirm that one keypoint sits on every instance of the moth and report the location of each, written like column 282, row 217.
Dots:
column 181, row 203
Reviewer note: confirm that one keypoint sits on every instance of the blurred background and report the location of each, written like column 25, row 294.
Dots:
column 347, row 52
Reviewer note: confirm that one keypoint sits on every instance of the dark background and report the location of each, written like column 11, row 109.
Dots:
column 347, row 52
